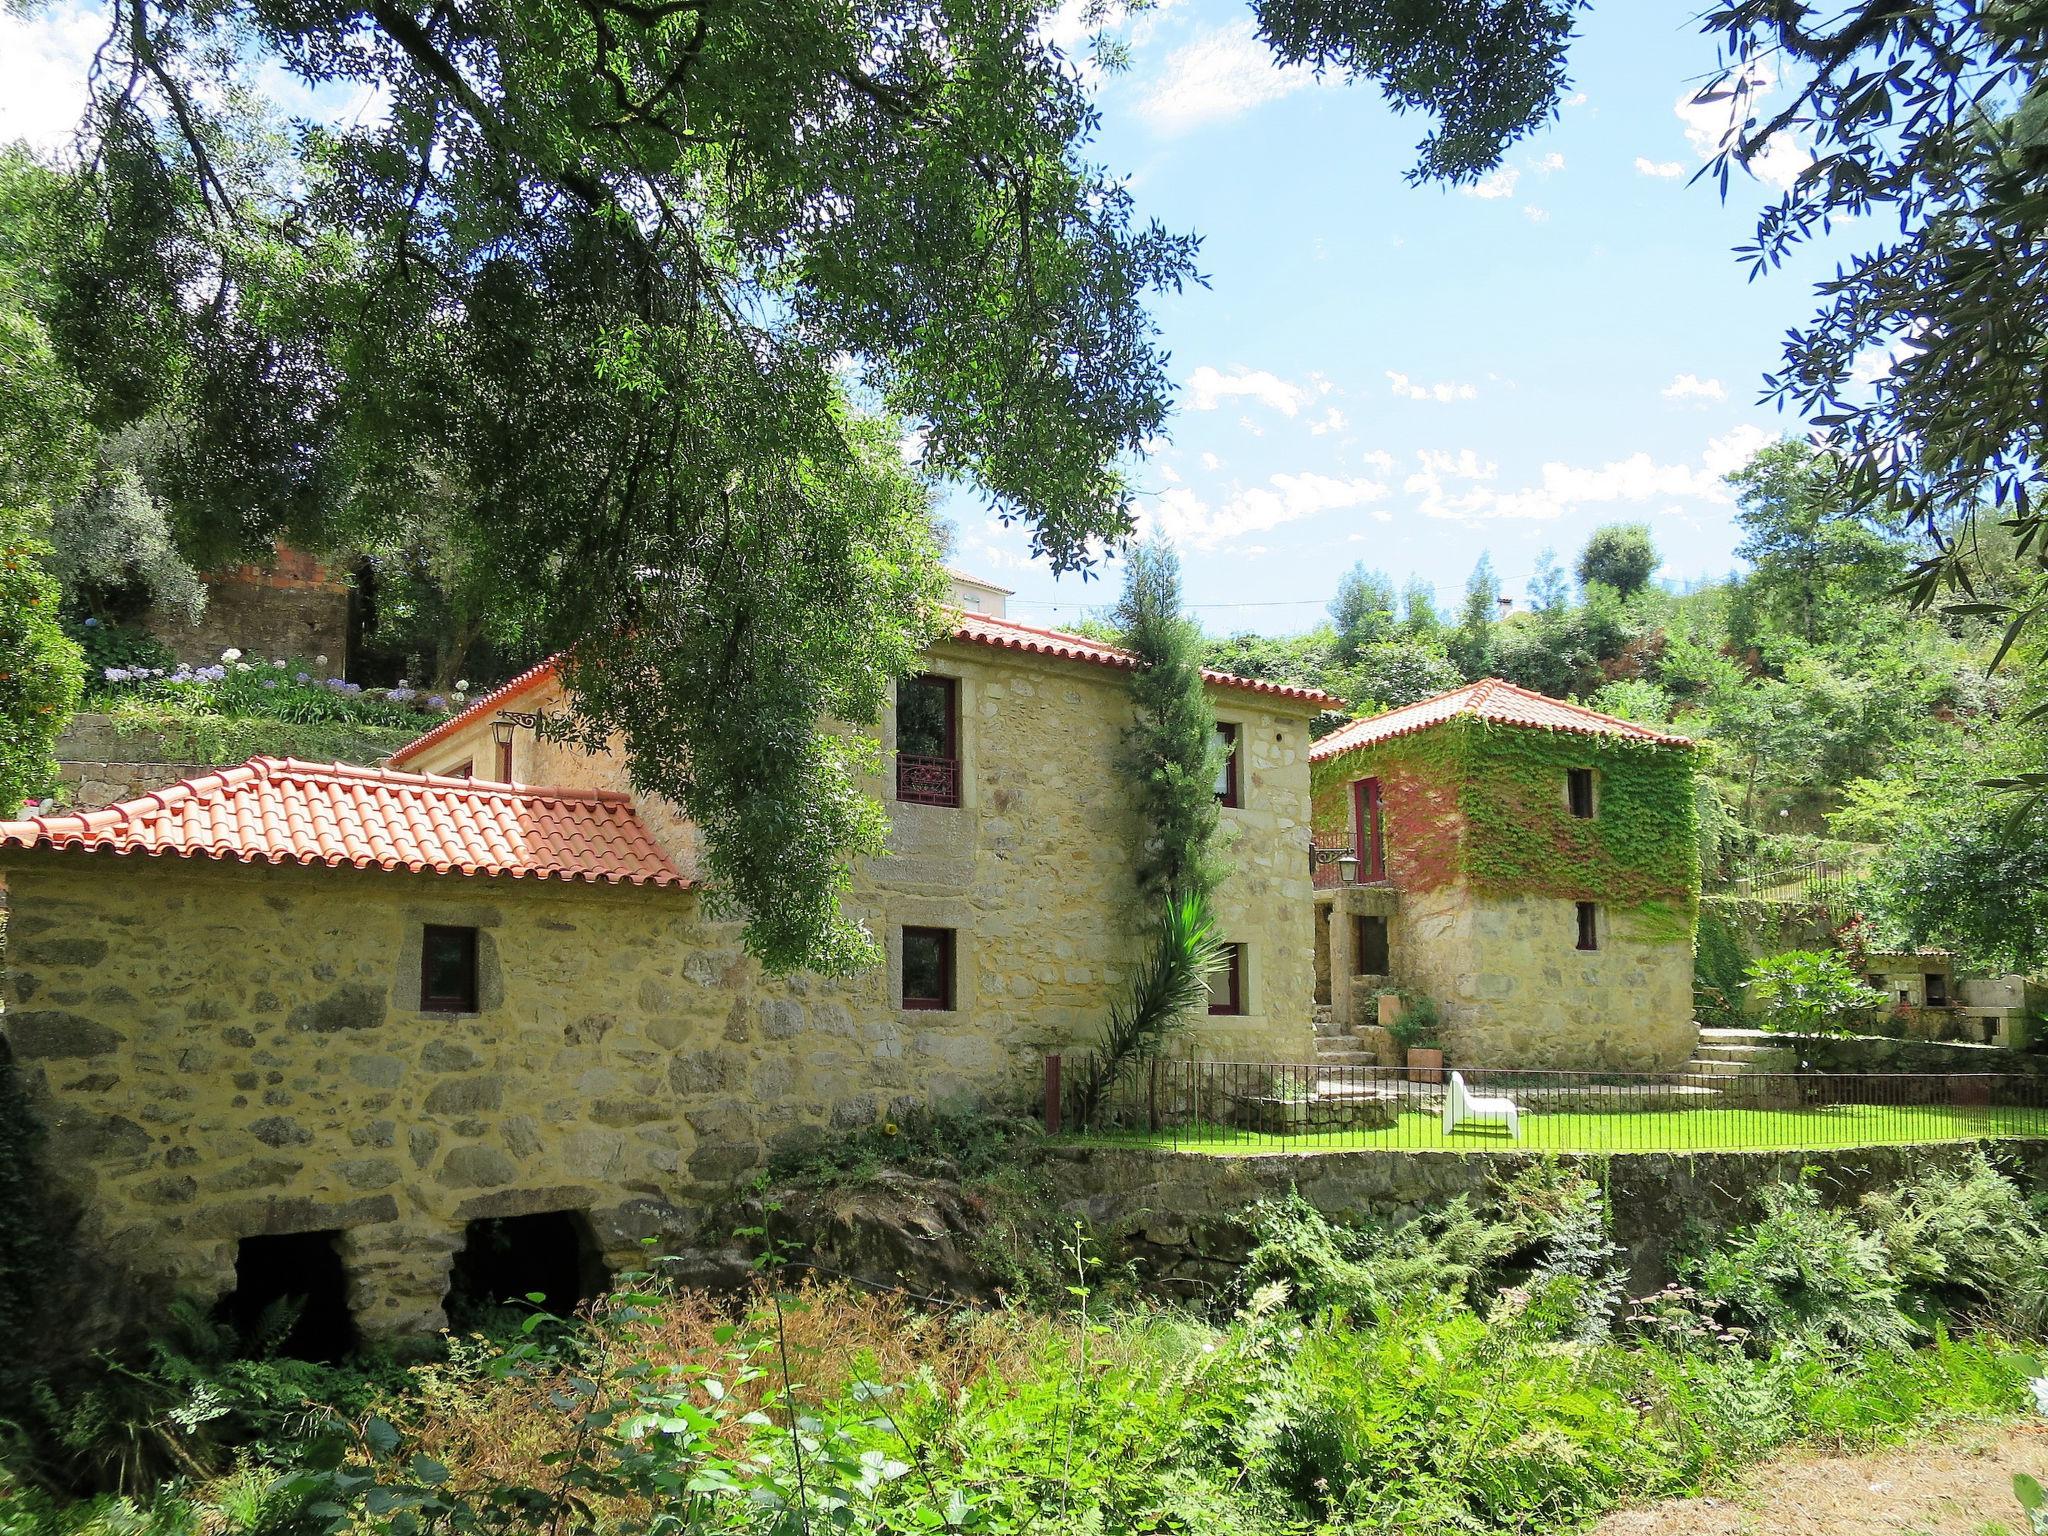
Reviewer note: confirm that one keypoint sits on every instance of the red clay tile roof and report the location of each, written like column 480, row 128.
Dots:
column 972, row 628
column 282, row 811
column 1008, row 635
column 1489, row 699
column 499, row 696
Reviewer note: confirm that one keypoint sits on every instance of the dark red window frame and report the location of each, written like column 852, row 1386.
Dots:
column 1227, row 794
column 943, row 1002
column 504, row 762
column 1589, row 925
column 930, row 778
column 1368, row 811
column 466, row 769
column 1578, row 792
column 1233, row 980
column 464, row 999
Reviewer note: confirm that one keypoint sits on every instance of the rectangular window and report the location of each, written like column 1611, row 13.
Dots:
column 928, row 740
column 928, row 968
column 1589, row 925
column 448, row 970
column 1937, row 990
column 1369, row 821
column 466, row 769
column 1226, row 775
column 1578, row 792
column 1370, row 946
column 1226, row 982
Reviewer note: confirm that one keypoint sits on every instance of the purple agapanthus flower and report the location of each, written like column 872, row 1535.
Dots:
column 302, row 677
column 435, row 701
column 115, row 674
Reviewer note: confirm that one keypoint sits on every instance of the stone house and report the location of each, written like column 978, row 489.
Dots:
column 343, row 1022
column 1529, row 864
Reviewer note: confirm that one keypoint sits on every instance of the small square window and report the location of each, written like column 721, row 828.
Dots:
column 1226, row 773
column 1226, row 982
column 928, row 968
column 466, row 769
column 1589, row 925
column 448, row 970
column 1578, row 790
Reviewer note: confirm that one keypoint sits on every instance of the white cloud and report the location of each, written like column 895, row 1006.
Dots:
column 1500, row 184
column 1443, row 392
column 1576, row 99
column 1458, row 487
column 1251, row 426
column 1690, row 386
column 1549, row 163
column 1666, row 169
column 1712, row 125
column 1380, row 460
column 1209, row 387
column 1219, row 75
column 1210, row 461
column 43, row 63
column 1333, row 421
column 1536, row 215
column 1191, row 522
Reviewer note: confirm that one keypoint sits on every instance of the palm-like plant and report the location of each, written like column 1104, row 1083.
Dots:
column 1169, row 988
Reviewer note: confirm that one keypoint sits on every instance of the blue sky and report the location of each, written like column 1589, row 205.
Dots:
column 1378, row 372
column 1409, row 376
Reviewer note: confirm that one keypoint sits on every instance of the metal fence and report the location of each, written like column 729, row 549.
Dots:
column 1265, row 1106
column 1825, row 883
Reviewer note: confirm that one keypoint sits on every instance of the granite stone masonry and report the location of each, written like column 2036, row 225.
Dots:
column 223, row 1049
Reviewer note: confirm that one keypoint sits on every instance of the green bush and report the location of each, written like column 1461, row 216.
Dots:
column 1807, row 993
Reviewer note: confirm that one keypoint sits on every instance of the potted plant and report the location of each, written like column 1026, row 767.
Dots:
column 1416, row 1028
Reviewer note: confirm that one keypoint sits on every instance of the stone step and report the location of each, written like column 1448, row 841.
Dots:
column 1737, row 1036
column 1760, row 1058
column 1346, row 1059
column 1698, row 1067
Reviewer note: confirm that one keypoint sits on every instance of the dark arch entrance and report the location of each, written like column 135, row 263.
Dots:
column 507, row 1259
column 286, row 1273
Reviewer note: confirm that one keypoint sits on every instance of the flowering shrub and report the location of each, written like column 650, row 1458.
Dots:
column 278, row 689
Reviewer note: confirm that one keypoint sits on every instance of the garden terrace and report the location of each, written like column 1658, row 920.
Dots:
column 1246, row 1107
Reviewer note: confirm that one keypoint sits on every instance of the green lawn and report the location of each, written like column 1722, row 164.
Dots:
column 1672, row 1130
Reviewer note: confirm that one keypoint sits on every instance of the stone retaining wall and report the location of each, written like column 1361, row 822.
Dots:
column 1179, row 1216
column 1873, row 1053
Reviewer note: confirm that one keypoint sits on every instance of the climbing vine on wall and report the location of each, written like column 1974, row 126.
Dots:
column 1514, row 832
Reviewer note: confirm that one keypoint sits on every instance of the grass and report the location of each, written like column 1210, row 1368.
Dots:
column 1671, row 1130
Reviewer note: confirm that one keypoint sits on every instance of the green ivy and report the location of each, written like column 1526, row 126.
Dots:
column 1718, row 982
column 1640, row 852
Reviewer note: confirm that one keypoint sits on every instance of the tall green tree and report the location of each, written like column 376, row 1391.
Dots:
column 1813, row 553
column 1621, row 556
column 1363, row 611
column 613, row 269
column 1471, row 643
column 1172, row 754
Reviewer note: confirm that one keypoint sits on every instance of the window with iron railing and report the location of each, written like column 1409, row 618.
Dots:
column 928, row 740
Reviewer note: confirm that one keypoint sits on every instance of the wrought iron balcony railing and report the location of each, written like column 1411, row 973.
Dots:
column 927, row 780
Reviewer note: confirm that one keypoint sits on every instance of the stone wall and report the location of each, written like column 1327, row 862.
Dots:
column 1032, row 868
column 225, row 1051
column 1179, row 1217
column 98, row 764
column 1871, row 1053
column 294, row 608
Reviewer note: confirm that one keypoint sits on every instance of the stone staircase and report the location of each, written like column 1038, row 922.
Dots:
column 1338, row 1045
column 1725, row 1053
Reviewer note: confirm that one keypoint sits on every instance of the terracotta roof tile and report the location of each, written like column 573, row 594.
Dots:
column 972, row 628
column 1489, row 699
column 1007, row 634
column 282, row 811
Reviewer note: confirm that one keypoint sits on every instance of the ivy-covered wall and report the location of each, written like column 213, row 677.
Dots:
column 1485, row 803
column 1489, row 862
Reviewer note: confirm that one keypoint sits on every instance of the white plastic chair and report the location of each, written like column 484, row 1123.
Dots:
column 1461, row 1104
